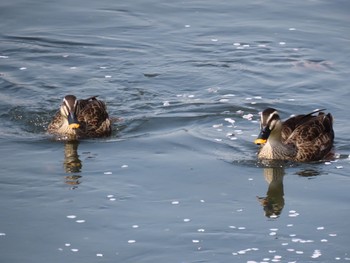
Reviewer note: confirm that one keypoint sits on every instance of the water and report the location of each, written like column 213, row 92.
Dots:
column 178, row 181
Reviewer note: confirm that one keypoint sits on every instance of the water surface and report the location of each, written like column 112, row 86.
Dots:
column 178, row 181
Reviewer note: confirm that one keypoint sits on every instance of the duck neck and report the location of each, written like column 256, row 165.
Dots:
column 275, row 148
column 276, row 134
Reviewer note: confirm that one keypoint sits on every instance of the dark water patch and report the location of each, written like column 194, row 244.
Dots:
column 39, row 42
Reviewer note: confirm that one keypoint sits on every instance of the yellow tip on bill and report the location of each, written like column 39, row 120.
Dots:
column 260, row 141
column 74, row 125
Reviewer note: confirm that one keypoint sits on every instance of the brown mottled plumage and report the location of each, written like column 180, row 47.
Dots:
column 302, row 138
column 85, row 118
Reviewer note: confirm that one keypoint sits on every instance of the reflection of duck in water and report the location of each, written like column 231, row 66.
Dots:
column 72, row 163
column 301, row 138
column 273, row 203
column 85, row 118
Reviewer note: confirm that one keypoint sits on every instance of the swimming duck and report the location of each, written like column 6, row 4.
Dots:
column 302, row 138
column 85, row 118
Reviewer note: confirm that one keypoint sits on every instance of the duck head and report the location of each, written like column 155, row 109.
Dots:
column 68, row 111
column 270, row 123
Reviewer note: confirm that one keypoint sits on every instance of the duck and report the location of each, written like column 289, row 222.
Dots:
column 83, row 118
column 302, row 138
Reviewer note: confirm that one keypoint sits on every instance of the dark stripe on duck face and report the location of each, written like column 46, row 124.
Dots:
column 70, row 104
column 70, row 101
column 269, row 117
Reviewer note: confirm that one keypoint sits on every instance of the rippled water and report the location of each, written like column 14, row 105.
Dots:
column 178, row 181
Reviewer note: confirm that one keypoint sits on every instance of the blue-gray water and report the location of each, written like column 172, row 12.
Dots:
column 178, row 181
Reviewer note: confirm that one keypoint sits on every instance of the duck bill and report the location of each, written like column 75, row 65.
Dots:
column 73, row 121
column 263, row 136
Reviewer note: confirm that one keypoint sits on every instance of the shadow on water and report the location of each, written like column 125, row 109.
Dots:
column 308, row 172
column 72, row 163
